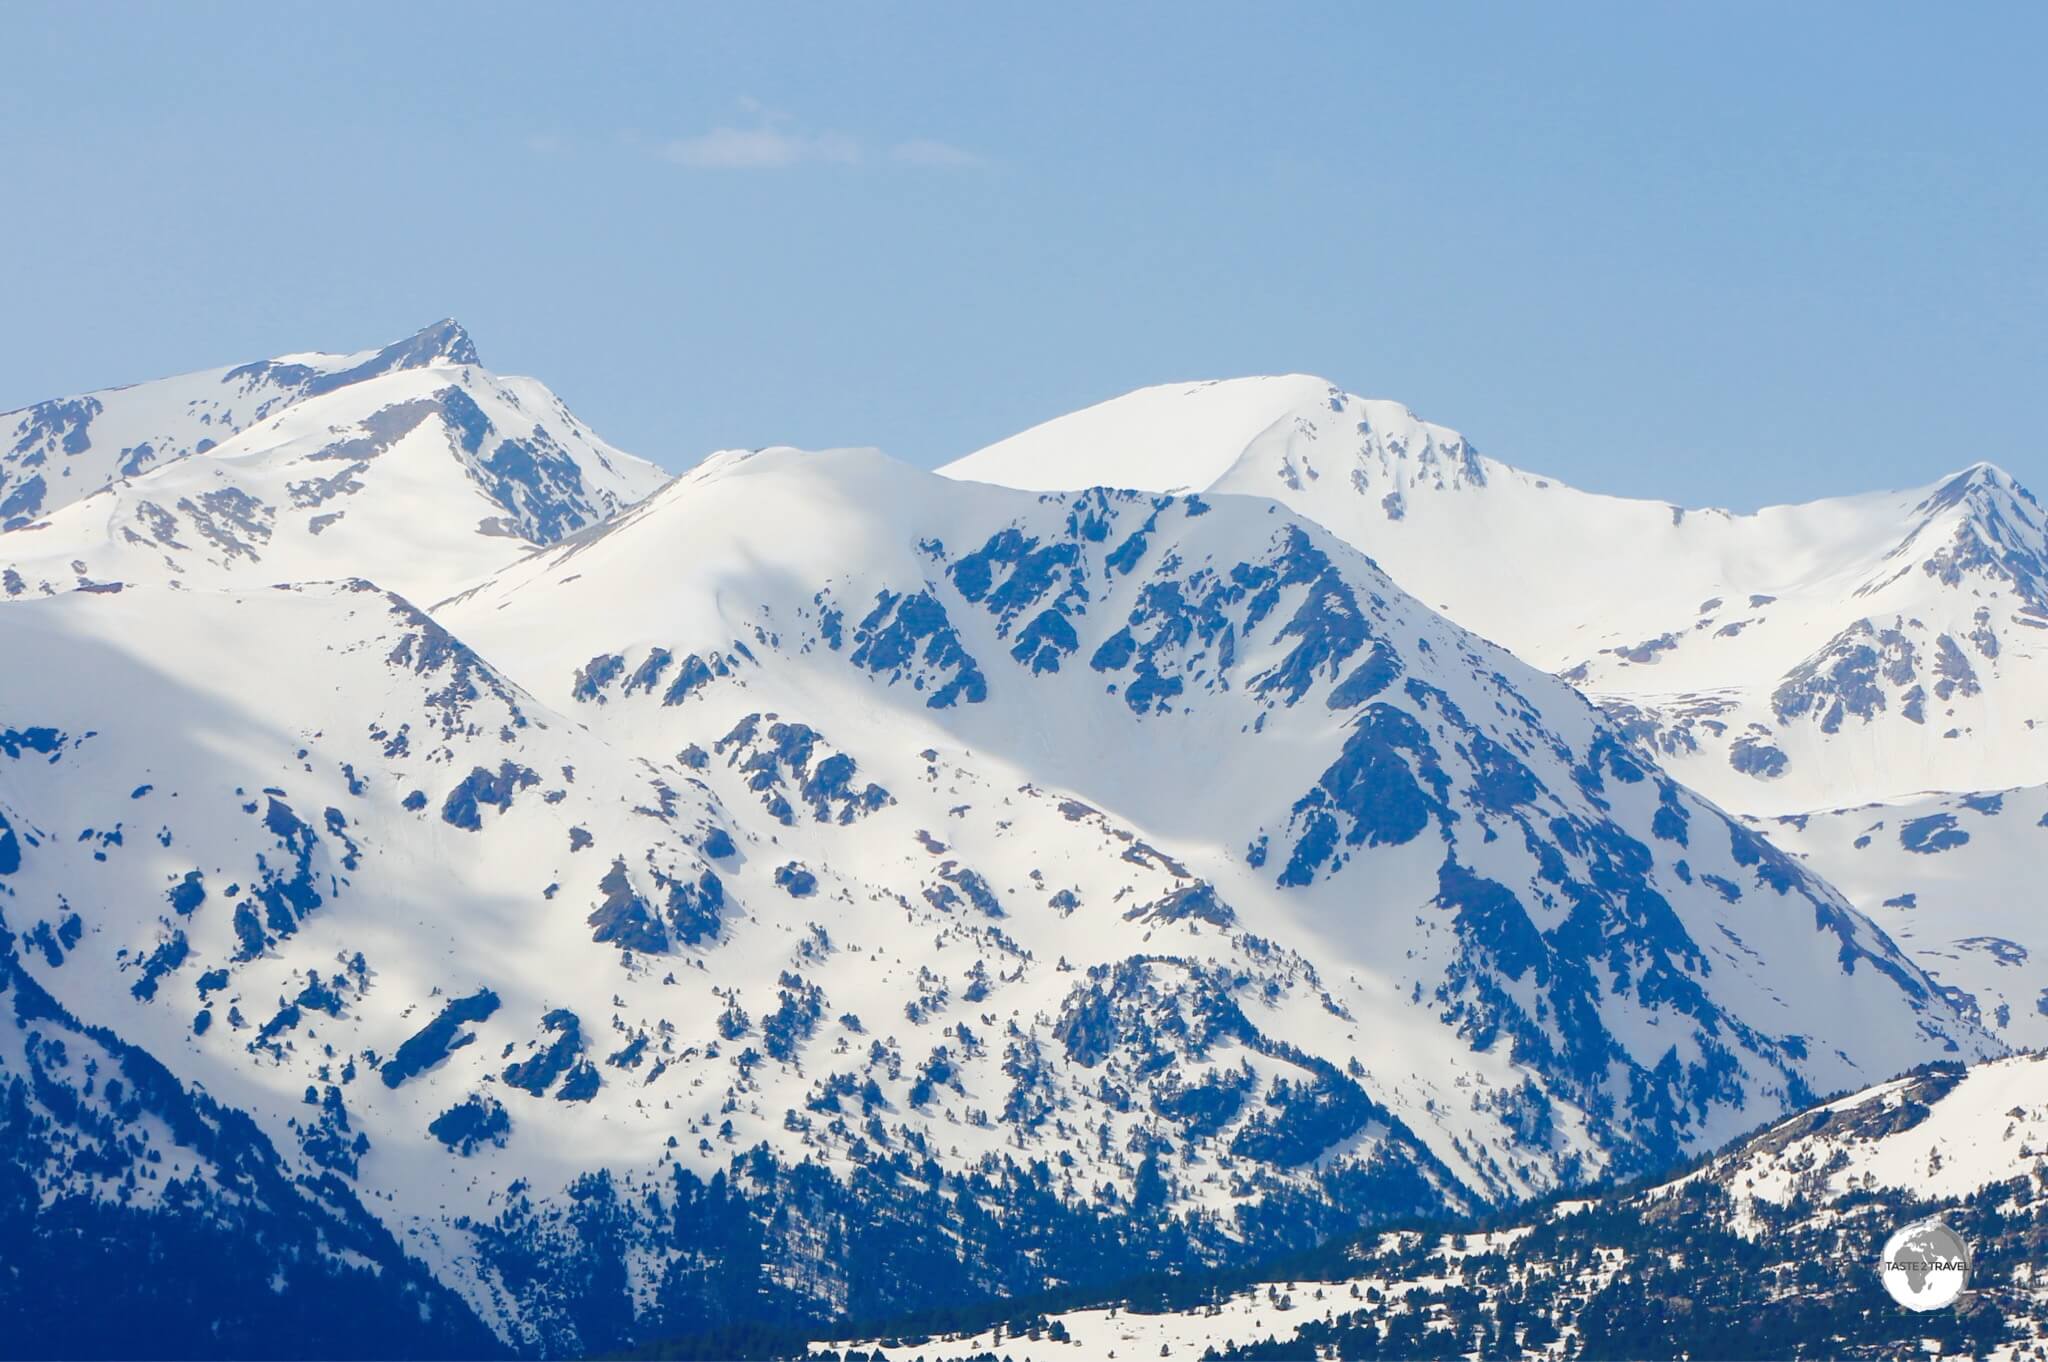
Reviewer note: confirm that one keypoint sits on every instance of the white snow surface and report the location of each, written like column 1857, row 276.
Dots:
column 63, row 450
column 1176, row 437
column 1011, row 790
column 1799, row 657
column 1956, row 881
column 425, row 476
column 227, row 703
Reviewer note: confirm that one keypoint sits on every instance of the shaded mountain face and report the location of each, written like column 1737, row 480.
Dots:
column 410, row 464
column 1797, row 658
column 1955, row 880
column 1765, row 1250
column 136, row 1206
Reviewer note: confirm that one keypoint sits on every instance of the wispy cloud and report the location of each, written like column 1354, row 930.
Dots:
column 934, row 154
column 760, row 148
column 772, row 140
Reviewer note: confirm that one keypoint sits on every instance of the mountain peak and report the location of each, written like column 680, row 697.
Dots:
column 1983, row 522
column 1288, row 436
column 319, row 459
column 444, row 340
column 63, row 450
column 1980, row 485
column 1367, row 447
column 1169, row 437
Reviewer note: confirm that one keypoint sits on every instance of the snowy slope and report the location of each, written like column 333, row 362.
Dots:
column 411, row 465
column 133, row 1203
column 1956, row 881
column 65, row 449
column 331, row 864
column 1943, row 1135
column 269, row 837
column 1178, row 437
column 1799, row 657
column 1804, row 1206
column 1149, row 871
column 818, row 888
column 1074, row 646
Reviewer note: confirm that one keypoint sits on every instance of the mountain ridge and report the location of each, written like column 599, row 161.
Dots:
column 324, row 826
column 820, row 887
column 109, row 433
column 464, row 470
column 1743, row 649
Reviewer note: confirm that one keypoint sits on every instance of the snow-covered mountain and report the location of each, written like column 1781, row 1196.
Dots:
column 1956, row 881
column 1769, row 1249
column 409, row 464
column 67, row 448
column 1801, row 657
column 823, row 889
column 1817, row 665
column 822, row 847
column 1069, row 649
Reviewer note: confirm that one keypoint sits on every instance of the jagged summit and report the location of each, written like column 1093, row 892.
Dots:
column 445, row 339
column 63, row 450
column 1983, row 474
column 1999, row 504
column 445, row 342
column 1898, row 628
column 1982, row 522
column 408, row 464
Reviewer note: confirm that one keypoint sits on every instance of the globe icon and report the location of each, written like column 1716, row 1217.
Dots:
column 1925, row 1265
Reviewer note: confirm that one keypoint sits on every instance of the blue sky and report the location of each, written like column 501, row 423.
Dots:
column 1727, row 254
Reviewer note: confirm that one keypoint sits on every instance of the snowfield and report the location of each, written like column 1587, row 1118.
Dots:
column 582, row 905
column 1862, row 648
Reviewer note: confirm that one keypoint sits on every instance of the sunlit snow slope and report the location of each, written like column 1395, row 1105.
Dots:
column 1801, row 657
column 822, row 842
column 410, row 464
column 65, row 449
